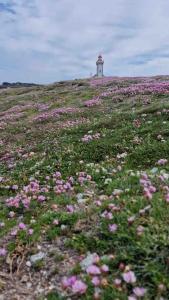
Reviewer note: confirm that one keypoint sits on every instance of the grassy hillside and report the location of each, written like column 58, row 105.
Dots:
column 84, row 190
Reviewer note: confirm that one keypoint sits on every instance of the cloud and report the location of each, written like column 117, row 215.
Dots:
column 6, row 7
column 46, row 41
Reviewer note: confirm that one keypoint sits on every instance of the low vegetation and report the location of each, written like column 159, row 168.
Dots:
column 84, row 190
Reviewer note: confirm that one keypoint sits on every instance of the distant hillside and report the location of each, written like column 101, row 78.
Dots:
column 17, row 84
column 84, row 190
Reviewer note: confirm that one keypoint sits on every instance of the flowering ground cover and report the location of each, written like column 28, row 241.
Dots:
column 84, row 190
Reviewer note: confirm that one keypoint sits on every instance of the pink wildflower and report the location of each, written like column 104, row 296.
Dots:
column 68, row 281
column 93, row 270
column 162, row 162
column 15, row 187
column 113, row 228
column 56, row 222
column 96, row 295
column 107, row 215
column 96, row 281
column 92, row 102
column 161, row 287
column 88, row 137
column 11, row 214
column 139, row 291
column 57, row 175
column 98, row 203
column 14, row 232
column 140, row 230
column 22, row 226
column 152, row 189
column 96, row 258
column 70, row 208
column 167, row 198
column 3, row 252
column 165, row 188
column 30, row 231
column 104, row 268
column 144, row 176
column 131, row 220
column 148, row 194
column 117, row 282
column 132, row 297
column 122, row 266
column 44, row 190
column 129, row 277
column 41, row 198
column 79, row 287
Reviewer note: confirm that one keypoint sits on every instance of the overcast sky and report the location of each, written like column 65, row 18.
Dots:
column 50, row 40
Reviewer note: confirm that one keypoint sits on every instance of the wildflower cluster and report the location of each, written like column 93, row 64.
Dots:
column 55, row 113
column 148, row 188
column 33, row 191
column 90, row 137
column 93, row 102
column 93, row 202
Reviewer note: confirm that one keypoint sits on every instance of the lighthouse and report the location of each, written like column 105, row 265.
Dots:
column 99, row 64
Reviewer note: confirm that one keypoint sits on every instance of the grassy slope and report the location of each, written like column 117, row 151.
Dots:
column 56, row 148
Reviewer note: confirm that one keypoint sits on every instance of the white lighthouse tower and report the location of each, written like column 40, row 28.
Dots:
column 99, row 64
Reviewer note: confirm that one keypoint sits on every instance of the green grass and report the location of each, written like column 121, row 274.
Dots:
column 61, row 149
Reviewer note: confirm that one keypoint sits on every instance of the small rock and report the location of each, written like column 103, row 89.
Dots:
column 63, row 227
column 51, row 287
column 40, row 290
column 82, row 201
column 36, row 257
column 44, row 273
column 79, row 196
column 28, row 264
column 24, row 278
column 103, row 197
column 154, row 170
column 86, row 262
column 29, row 285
